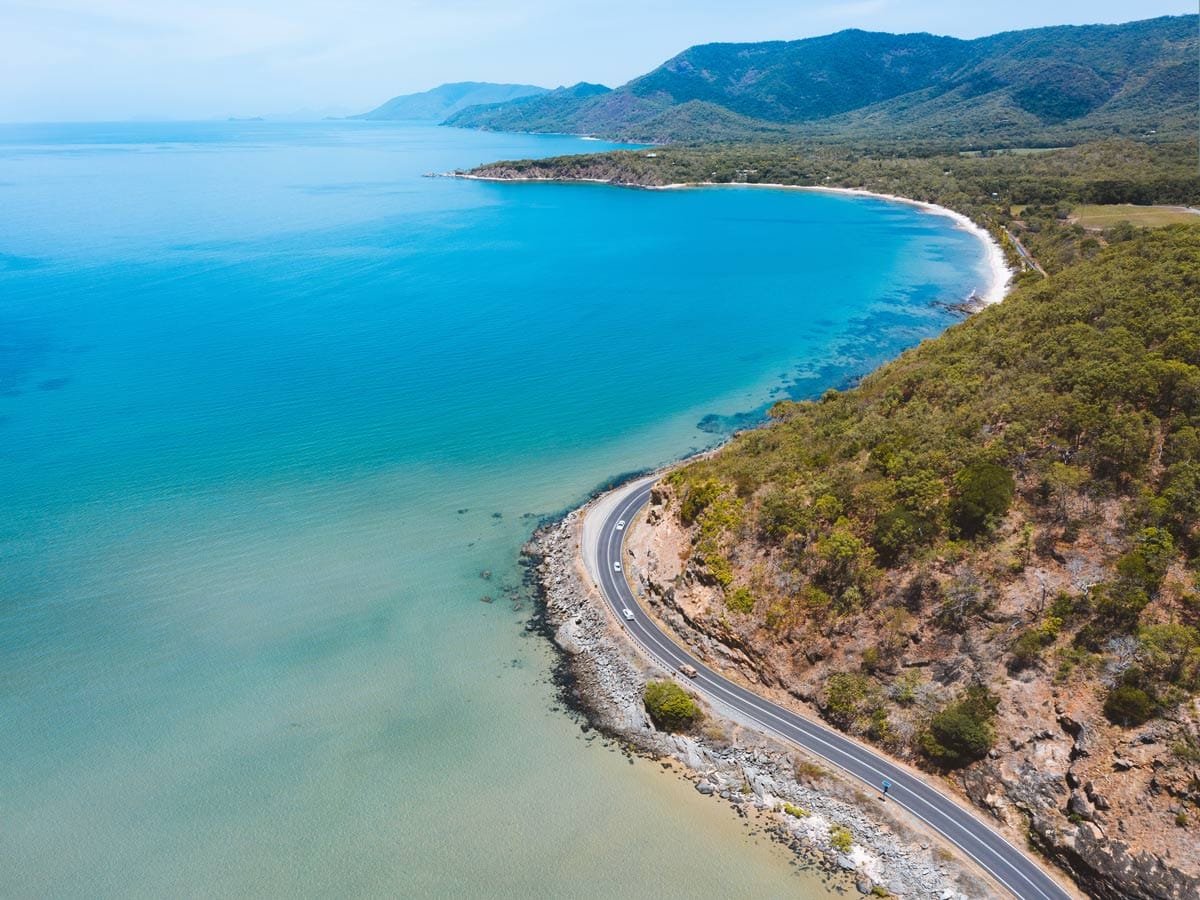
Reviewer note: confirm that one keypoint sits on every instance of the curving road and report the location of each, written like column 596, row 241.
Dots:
column 1012, row 868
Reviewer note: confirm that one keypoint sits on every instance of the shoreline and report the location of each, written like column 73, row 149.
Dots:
column 1001, row 275
column 601, row 674
column 792, row 797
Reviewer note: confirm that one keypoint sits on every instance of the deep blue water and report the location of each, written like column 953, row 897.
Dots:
column 270, row 401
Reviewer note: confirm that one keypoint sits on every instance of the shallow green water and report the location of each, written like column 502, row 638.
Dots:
column 270, row 403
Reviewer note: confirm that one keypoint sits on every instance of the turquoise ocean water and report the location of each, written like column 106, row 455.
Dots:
column 270, row 401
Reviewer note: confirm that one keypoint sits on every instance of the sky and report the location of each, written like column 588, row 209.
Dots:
column 78, row 60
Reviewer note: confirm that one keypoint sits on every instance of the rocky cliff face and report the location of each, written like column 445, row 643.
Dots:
column 1109, row 805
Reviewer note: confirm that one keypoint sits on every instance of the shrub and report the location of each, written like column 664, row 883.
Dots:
column 870, row 659
column 841, row 838
column 670, row 706
column 796, row 811
column 719, row 567
column 740, row 600
column 1128, row 706
column 810, row 771
column 962, row 732
column 1173, row 654
column 1026, row 650
column 898, row 532
column 983, row 493
column 1118, row 607
column 697, row 498
column 1145, row 566
column 843, row 558
column 847, row 697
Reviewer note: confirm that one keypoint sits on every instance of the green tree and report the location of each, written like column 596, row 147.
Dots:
column 1128, row 706
column 983, row 493
column 963, row 731
column 900, row 531
column 670, row 706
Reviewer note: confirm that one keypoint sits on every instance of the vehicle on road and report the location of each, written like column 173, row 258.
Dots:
column 621, row 525
column 627, row 613
column 974, row 836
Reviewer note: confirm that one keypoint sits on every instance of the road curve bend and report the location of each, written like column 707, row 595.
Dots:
column 604, row 556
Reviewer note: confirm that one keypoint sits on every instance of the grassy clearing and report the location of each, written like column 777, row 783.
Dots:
column 1104, row 216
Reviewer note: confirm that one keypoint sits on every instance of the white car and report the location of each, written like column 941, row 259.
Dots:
column 616, row 567
column 627, row 613
column 621, row 525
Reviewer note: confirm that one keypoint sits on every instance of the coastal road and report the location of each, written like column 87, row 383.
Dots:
column 1024, row 254
column 604, row 550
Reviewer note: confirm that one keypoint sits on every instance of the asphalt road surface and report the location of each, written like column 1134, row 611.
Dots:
column 1010, row 866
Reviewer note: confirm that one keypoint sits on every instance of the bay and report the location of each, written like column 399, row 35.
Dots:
column 271, row 401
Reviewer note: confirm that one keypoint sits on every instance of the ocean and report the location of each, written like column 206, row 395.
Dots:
column 271, row 402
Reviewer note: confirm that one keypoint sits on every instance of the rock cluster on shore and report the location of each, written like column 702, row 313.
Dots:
column 603, row 678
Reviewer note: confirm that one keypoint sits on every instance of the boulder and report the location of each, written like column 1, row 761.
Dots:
column 1080, row 806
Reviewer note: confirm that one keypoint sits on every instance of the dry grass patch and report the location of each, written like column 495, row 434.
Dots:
column 1105, row 216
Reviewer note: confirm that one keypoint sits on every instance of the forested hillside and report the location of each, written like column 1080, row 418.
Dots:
column 987, row 555
column 985, row 558
column 1039, row 87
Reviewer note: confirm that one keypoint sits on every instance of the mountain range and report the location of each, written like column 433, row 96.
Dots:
column 1041, row 85
column 447, row 99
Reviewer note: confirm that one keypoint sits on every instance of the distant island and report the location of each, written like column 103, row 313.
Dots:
column 441, row 102
column 1038, row 87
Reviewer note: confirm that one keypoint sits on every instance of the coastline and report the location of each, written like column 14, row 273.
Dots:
column 602, row 674
column 791, row 797
column 1000, row 275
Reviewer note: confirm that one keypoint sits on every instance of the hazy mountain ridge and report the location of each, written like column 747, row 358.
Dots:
column 447, row 99
column 535, row 111
column 1045, row 84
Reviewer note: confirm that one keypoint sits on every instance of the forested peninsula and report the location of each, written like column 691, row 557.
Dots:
column 985, row 558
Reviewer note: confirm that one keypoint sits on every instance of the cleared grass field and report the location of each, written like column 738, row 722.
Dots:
column 1146, row 216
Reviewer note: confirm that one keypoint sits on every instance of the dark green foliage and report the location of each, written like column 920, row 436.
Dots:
column 963, row 731
column 1117, row 608
column 1027, row 649
column 1145, row 565
column 1128, row 706
column 899, row 532
column 670, row 706
column 1043, row 86
column 1172, row 655
column 697, row 498
column 983, row 493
